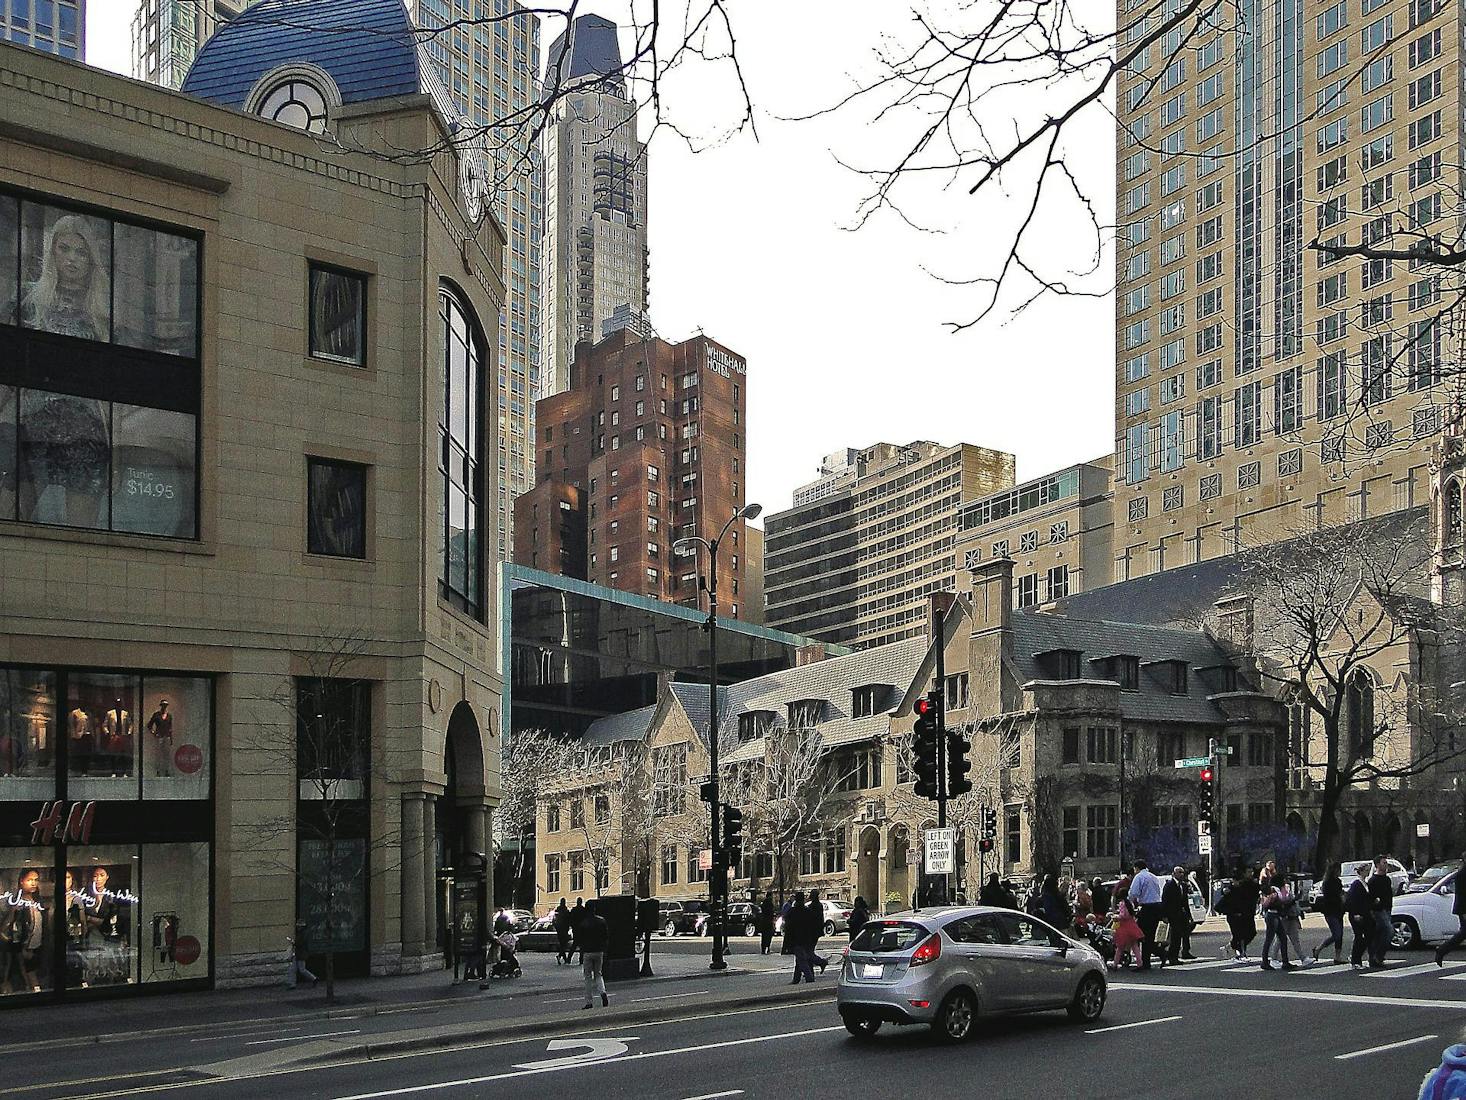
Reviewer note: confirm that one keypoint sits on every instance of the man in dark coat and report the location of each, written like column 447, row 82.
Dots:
column 1178, row 915
column 991, row 892
column 593, row 935
column 1458, row 910
column 1381, row 903
column 796, row 934
column 815, row 928
column 1356, row 905
column 766, row 921
column 577, row 918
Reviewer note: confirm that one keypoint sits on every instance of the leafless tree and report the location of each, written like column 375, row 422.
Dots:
column 1336, row 611
column 322, row 738
column 533, row 763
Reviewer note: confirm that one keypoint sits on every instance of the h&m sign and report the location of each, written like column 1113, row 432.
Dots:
column 56, row 824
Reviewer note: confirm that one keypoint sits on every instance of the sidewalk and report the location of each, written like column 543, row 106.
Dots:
column 105, row 1020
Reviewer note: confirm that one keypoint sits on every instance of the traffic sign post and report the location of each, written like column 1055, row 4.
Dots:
column 941, row 851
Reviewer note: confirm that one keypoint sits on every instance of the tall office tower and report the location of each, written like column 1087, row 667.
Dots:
column 1262, row 386
column 56, row 26
column 864, row 546
column 490, row 67
column 595, row 251
column 167, row 34
column 646, row 447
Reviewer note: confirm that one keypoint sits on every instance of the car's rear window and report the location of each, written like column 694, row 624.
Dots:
column 886, row 936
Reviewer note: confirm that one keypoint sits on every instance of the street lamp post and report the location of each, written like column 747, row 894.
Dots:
column 718, row 883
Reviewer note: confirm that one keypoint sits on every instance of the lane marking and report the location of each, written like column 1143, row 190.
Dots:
column 1386, row 1046
column 715, row 1095
column 511, row 1074
column 1298, row 995
column 301, row 1038
column 588, row 1050
column 1137, row 1023
column 1418, row 968
column 246, row 1034
column 667, row 997
column 207, row 1079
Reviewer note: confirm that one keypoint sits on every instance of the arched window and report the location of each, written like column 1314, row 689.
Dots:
column 297, row 103
column 1451, row 514
column 460, row 457
column 1300, row 717
column 1359, row 713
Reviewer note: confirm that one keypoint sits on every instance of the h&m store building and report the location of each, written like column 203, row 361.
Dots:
column 245, row 495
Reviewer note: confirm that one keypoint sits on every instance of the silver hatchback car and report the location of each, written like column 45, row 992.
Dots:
column 944, row 967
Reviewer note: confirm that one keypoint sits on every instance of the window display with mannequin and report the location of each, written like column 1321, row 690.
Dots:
column 102, row 753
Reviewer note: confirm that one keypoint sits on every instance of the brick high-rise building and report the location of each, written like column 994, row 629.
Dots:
column 648, row 444
column 1264, row 386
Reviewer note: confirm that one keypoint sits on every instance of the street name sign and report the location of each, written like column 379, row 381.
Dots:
column 1193, row 762
column 941, row 851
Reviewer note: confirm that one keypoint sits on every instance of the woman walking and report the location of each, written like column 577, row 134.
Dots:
column 1331, row 905
column 1239, row 904
column 1127, row 932
column 1275, row 899
column 561, row 923
column 766, row 922
column 859, row 916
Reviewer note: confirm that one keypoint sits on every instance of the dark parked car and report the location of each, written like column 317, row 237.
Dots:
column 742, row 918
column 540, row 937
column 681, row 918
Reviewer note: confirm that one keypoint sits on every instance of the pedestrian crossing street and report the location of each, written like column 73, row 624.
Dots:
column 1395, row 969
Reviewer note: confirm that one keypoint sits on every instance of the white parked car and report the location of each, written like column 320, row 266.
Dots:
column 1348, row 872
column 1425, row 916
column 837, row 918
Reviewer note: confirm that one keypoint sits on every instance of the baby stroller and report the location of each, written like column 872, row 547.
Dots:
column 1100, row 933
column 507, row 965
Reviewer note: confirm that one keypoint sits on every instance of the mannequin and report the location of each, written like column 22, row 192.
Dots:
column 160, row 725
column 117, row 738
column 22, row 932
column 83, row 740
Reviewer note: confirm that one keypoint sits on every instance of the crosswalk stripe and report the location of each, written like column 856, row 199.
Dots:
column 1211, row 965
column 1407, row 971
column 1322, row 970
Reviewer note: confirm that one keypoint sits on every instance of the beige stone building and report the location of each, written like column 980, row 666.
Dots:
column 246, row 496
column 1075, row 728
column 1264, row 387
column 1057, row 528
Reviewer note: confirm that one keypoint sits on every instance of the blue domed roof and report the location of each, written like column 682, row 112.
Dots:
column 368, row 47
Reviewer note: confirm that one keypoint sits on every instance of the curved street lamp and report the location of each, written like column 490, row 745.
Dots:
column 718, row 882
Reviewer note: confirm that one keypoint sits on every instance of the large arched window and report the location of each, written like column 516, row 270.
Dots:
column 460, row 457
column 1451, row 514
column 1359, row 713
column 298, row 94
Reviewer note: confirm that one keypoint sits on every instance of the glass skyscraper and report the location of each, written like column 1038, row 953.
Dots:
column 56, row 26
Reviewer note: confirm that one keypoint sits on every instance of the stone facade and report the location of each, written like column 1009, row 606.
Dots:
column 243, row 600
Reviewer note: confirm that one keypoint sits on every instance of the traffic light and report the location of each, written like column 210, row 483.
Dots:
column 1207, row 779
column 924, row 746
column 985, row 844
column 957, row 766
column 733, row 834
column 989, row 821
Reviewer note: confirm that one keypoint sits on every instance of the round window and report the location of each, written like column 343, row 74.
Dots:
column 297, row 103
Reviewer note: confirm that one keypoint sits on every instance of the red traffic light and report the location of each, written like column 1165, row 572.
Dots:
column 1206, row 775
column 923, row 705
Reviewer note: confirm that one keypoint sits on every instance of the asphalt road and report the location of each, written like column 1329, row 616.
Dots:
column 1212, row 1028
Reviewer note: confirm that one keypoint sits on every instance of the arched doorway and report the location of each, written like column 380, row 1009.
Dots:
column 898, row 871
column 868, row 866
column 1394, row 834
column 462, row 866
column 1362, row 834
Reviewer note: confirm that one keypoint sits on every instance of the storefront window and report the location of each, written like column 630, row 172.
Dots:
column 64, row 454
column 27, row 892
column 8, row 411
column 157, row 290
column 175, row 737
column 123, row 457
column 66, row 265
column 27, row 735
column 101, row 917
column 175, row 909
column 101, row 728
column 153, row 471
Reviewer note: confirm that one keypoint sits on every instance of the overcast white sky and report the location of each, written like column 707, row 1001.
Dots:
column 843, row 331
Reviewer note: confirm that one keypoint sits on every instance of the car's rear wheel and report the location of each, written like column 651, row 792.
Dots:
column 1404, row 934
column 862, row 1027
column 669, row 929
column 1089, row 999
column 957, row 1016
column 829, row 928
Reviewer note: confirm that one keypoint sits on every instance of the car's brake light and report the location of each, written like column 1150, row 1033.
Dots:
column 929, row 951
